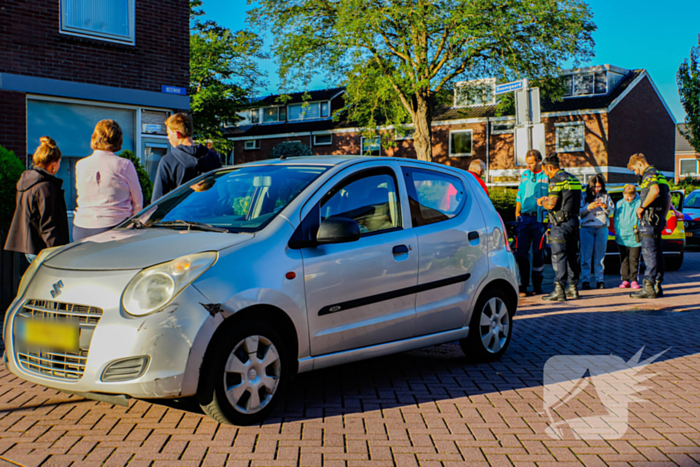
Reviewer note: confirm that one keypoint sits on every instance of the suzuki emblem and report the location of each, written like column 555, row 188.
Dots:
column 56, row 289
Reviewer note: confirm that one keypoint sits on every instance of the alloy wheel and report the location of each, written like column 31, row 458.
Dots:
column 494, row 325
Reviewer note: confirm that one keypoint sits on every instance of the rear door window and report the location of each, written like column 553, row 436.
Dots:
column 433, row 196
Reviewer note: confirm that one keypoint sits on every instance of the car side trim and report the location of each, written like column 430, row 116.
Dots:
column 335, row 308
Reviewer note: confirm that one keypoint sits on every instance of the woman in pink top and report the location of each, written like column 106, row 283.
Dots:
column 108, row 187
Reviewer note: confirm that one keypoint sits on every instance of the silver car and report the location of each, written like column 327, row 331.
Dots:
column 226, row 287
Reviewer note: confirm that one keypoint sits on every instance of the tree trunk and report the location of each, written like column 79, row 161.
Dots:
column 423, row 135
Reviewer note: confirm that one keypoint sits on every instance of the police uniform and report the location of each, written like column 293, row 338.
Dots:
column 564, row 235
column 652, row 223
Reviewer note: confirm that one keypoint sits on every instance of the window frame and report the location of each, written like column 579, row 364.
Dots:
column 362, row 146
column 304, row 107
column 352, row 178
column 485, row 81
column 256, row 145
column 686, row 174
column 558, row 148
column 410, row 132
column 449, row 148
column 510, row 131
column 328, row 109
column 329, row 143
column 412, row 192
column 262, row 114
column 63, row 28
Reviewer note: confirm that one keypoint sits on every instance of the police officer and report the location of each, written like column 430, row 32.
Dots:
column 563, row 204
column 656, row 201
column 531, row 225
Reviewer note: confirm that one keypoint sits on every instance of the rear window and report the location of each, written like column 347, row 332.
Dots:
column 433, row 196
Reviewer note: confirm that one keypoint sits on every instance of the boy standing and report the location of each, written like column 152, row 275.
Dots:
column 185, row 161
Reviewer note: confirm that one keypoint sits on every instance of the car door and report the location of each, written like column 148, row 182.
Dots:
column 362, row 293
column 452, row 248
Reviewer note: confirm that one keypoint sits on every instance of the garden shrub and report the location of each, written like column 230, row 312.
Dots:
column 291, row 149
column 11, row 169
column 144, row 179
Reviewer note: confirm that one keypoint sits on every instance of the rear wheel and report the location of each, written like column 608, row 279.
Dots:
column 246, row 371
column 490, row 328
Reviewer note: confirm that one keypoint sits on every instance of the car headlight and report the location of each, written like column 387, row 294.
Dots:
column 155, row 287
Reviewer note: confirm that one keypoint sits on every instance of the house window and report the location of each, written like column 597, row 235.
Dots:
column 586, row 84
column 254, row 116
column 475, row 93
column 571, row 137
column 406, row 134
column 271, row 114
column 688, row 167
column 111, row 20
column 324, row 109
column 252, row 144
column 323, row 140
column 461, row 143
column 371, row 146
column 283, row 114
column 304, row 112
column 502, row 128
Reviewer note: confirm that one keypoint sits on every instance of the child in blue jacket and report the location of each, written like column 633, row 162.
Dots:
column 625, row 219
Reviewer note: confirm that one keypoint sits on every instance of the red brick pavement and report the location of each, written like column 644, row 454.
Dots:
column 428, row 407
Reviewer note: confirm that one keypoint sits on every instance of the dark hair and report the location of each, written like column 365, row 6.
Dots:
column 534, row 153
column 590, row 189
column 552, row 159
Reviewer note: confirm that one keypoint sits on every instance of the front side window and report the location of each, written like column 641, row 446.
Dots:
column 238, row 200
column 461, row 143
column 692, row 201
column 433, row 196
column 101, row 19
column 371, row 201
column 571, row 137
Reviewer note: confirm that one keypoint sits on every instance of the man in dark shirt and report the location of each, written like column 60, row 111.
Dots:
column 185, row 161
column 655, row 203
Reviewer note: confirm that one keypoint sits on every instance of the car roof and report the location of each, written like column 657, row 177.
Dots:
column 334, row 161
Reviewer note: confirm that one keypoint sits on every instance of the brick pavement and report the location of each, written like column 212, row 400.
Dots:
column 428, row 407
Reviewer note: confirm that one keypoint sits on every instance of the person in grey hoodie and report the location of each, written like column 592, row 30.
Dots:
column 596, row 208
column 186, row 160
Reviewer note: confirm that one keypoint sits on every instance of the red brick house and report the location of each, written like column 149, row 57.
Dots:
column 686, row 157
column 608, row 114
column 68, row 64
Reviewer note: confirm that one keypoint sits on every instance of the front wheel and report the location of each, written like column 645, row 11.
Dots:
column 244, row 375
column 490, row 328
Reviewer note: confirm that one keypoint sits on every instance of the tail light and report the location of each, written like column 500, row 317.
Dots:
column 505, row 234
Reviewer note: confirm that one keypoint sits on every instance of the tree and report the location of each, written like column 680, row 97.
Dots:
column 224, row 74
column 291, row 149
column 688, row 78
column 397, row 56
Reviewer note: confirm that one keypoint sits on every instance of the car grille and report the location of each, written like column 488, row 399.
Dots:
column 61, row 365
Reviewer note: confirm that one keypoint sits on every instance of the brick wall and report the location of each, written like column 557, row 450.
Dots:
column 13, row 131
column 640, row 123
column 32, row 45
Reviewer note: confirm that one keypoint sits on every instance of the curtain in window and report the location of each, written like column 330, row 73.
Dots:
column 105, row 16
column 294, row 112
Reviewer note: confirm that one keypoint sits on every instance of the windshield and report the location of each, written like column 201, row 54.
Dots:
column 693, row 201
column 237, row 200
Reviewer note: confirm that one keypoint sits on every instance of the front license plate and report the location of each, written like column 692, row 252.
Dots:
column 689, row 234
column 60, row 336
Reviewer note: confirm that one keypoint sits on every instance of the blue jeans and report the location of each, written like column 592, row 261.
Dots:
column 594, row 241
column 529, row 234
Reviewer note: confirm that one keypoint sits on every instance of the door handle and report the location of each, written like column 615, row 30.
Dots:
column 400, row 249
column 473, row 236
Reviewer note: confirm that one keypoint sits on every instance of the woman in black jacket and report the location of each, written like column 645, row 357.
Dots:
column 41, row 218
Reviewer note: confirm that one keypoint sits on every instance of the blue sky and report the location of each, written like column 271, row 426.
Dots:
column 631, row 34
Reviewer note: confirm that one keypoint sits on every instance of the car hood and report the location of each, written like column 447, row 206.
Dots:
column 138, row 249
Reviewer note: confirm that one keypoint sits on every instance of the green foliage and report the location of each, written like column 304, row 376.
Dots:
column 144, row 180
column 503, row 200
column 11, row 169
column 688, row 184
column 688, row 79
column 224, row 73
column 291, row 149
column 396, row 58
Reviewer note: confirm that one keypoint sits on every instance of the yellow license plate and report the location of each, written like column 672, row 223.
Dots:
column 689, row 234
column 61, row 336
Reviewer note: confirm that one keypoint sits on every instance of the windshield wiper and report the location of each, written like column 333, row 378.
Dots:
column 190, row 225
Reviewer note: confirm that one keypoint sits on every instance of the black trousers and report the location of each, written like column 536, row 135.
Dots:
column 629, row 262
column 564, row 239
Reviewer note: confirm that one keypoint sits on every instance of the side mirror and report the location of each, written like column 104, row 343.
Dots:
column 338, row 230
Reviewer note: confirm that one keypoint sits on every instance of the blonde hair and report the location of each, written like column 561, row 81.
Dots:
column 629, row 190
column 47, row 153
column 180, row 122
column 635, row 159
column 107, row 136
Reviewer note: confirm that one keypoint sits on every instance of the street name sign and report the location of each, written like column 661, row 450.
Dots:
column 510, row 87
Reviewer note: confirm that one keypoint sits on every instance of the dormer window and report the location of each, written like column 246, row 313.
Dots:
column 475, row 93
column 313, row 110
column 274, row 114
column 586, row 84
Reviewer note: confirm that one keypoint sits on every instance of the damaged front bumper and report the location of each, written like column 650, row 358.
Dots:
column 169, row 343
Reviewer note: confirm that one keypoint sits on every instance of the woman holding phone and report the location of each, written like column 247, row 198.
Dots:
column 596, row 208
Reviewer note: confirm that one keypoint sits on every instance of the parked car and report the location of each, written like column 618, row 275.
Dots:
column 673, row 237
column 228, row 286
column 691, row 218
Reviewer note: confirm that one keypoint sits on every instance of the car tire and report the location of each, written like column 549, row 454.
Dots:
column 245, row 372
column 490, row 328
column 673, row 263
